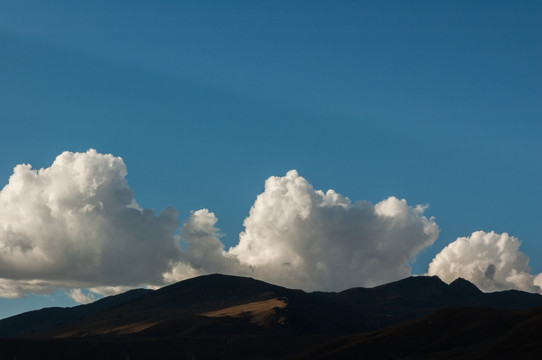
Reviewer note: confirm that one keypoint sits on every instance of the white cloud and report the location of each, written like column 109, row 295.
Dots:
column 109, row 290
column 204, row 251
column 10, row 288
column 300, row 237
column 76, row 224
column 489, row 260
column 79, row 297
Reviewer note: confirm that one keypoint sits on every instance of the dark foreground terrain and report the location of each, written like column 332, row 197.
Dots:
column 227, row 317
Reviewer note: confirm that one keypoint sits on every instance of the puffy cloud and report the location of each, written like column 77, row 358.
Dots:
column 111, row 290
column 79, row 297
column 304, row 238
column 76, row 224
column 17, row 288
column 204, row 252
column 301, row 237
column 489, row 260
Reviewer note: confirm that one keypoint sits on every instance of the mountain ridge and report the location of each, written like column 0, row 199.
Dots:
column 210, row 313
column 365, row 308
column 34, row 321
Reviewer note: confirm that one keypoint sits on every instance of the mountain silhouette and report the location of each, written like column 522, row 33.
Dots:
column 221, row 316
column 453, row 333
column 32, row 322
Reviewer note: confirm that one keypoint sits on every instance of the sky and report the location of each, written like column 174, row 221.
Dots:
column 313, row 144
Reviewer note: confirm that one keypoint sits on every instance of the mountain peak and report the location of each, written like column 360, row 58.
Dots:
column 415, row 286
column 464, row 286
column 220, row 285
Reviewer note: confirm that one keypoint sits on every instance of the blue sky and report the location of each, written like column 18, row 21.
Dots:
column 436, row 102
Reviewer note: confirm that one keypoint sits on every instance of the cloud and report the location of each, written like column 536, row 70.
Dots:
column 301, row 237
column 17, row 288
column 489, row 260
column 79, row 297
column 112, row 290
column 76, row 224
column 204, row 252
column 204, row 248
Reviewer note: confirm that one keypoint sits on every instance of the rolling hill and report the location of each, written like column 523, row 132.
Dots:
column 220, row 316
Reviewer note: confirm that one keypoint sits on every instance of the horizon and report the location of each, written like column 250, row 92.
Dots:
column 258, row 280
column 311, row 144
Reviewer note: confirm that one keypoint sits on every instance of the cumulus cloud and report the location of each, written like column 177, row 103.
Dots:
column 489, row 260
column 301, row 237
column 76, row 224
column 204, row 248
column 79, row 297
column 204, row 252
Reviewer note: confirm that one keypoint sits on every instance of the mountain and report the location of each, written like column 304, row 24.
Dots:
column 274, row 308
column 219, row 316
column 178, row 302
column 32, row 322
column 453, row 333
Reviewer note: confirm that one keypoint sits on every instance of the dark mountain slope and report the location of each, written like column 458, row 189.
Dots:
column 219, row 316
column 413, row 297
column 35, row 321
column 172, row 303
column 458, row 333
column 245, row 302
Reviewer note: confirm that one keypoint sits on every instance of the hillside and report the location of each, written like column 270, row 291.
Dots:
column 457, row 333
column 243, row 317
column 33, row 322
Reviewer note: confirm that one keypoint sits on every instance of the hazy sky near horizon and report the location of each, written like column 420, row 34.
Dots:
column 210, row 104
